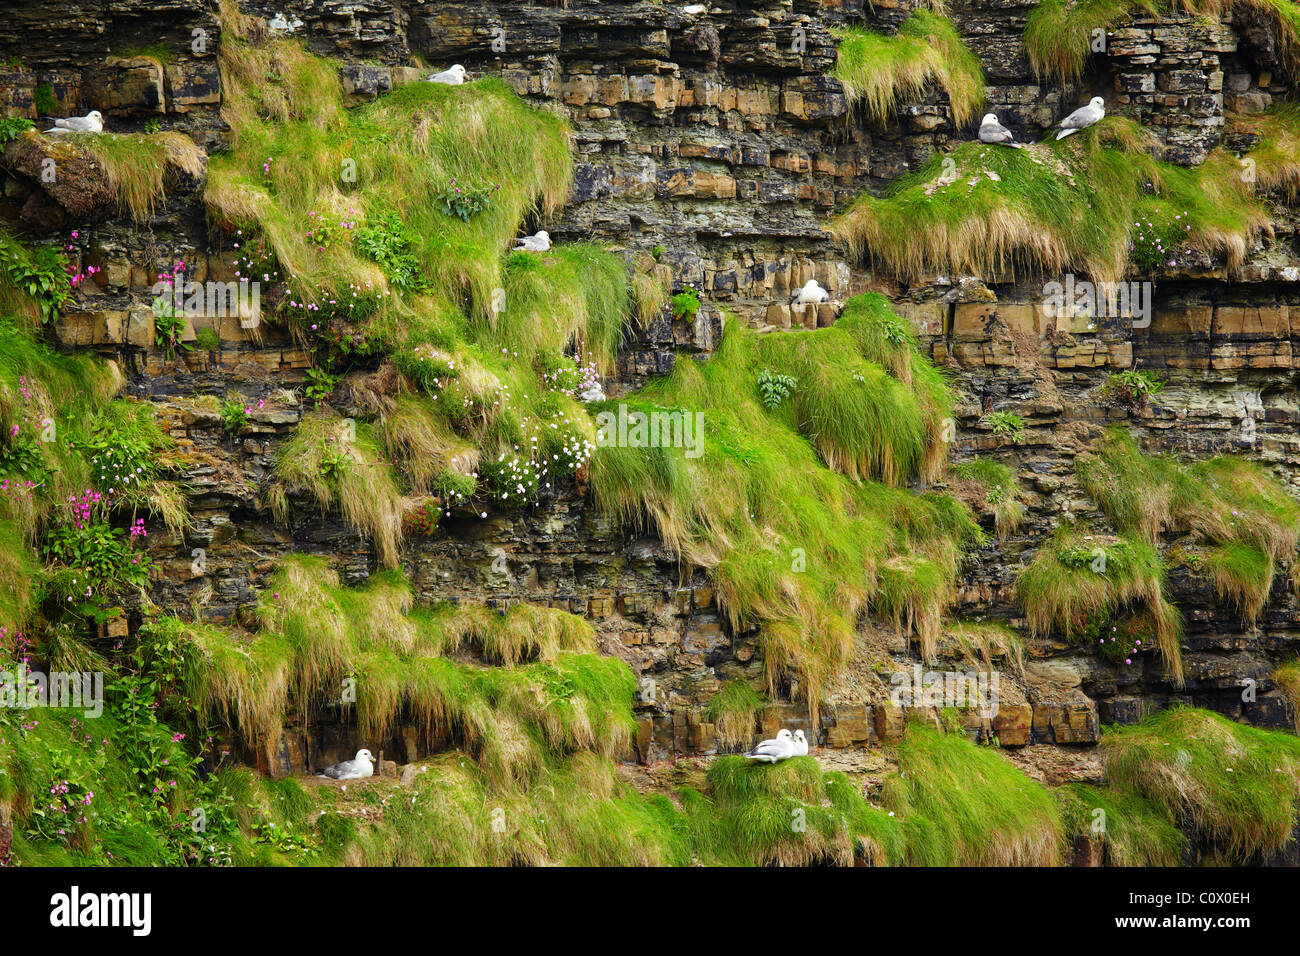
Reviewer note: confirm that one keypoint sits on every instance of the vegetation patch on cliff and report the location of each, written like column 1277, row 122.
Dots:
column 882, row 70
column 1082, row 585
column 1060, row 34
column 1237, row 785
column 795, row 546
column 1094, row 203
column 383, row 235
column 1242, row 523
column 1132, row 830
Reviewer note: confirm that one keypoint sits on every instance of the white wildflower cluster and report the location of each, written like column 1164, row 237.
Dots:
column 514, row 477
column 114, row 470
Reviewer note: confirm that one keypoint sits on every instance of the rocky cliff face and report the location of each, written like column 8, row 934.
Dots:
column 718, row 144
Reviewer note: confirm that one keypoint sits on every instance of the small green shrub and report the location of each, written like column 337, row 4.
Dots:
column 774, row 388
column 11, row 127
column 463, row 200
column 686, row 304
column 1006, row 425
column 43, row 97
column 234, row 417
column 320, row 385
column 1134, row 385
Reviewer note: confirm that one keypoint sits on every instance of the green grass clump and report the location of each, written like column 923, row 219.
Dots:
column 965, row 805
column 578, row 295
column 1051, row 208
column 787, row 814
column 456, row 815
column 795, row 546
column 1059, row 33
column 1287, row 678
column 732, row 712
column 998, row 483
column 1077, row 582
column 292, row 143
column 1133, row 830
column 982, row 645
column 1276, row 156
column 138, row 165
column 1229, row 505
column 880, row 71
column 1235, row 785
column 543, row 693
column 342, row 467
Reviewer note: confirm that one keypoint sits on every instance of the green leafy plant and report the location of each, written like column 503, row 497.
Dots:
column 1006, row 425
column 43, row 97
column 386, row 239
column 1134, row 386
column 234, row 417
column 334, row 462
column 40, row 273
column 463, row 200
column 168, row 327
column 686, row 303
column 774, row 388
column 153, row 125
column 320, row 385
column 11, row 127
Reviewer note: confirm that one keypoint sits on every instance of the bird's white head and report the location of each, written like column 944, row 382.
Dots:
column 1097, row 103
column 96, row 115
column 798, row 735
column 458, row 70
column 784, row 735
column 989, row 118
column 365, row 755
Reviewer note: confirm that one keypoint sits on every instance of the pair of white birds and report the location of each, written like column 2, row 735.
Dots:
column 991, row 131
column 279, row 23
column 358, row 768
column 782, row 747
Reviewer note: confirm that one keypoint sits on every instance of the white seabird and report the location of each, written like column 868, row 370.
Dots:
column 991, row 131
column 92, row 122
column 811, row 292
column 772, row 751
column 1083, row 117
column 800, row 744
column 592, row 393
column 360, row 767
column 452, row 77
column 539, row 242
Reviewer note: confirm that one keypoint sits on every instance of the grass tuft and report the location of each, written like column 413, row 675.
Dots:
column 881, row 71
column 1053, row 208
